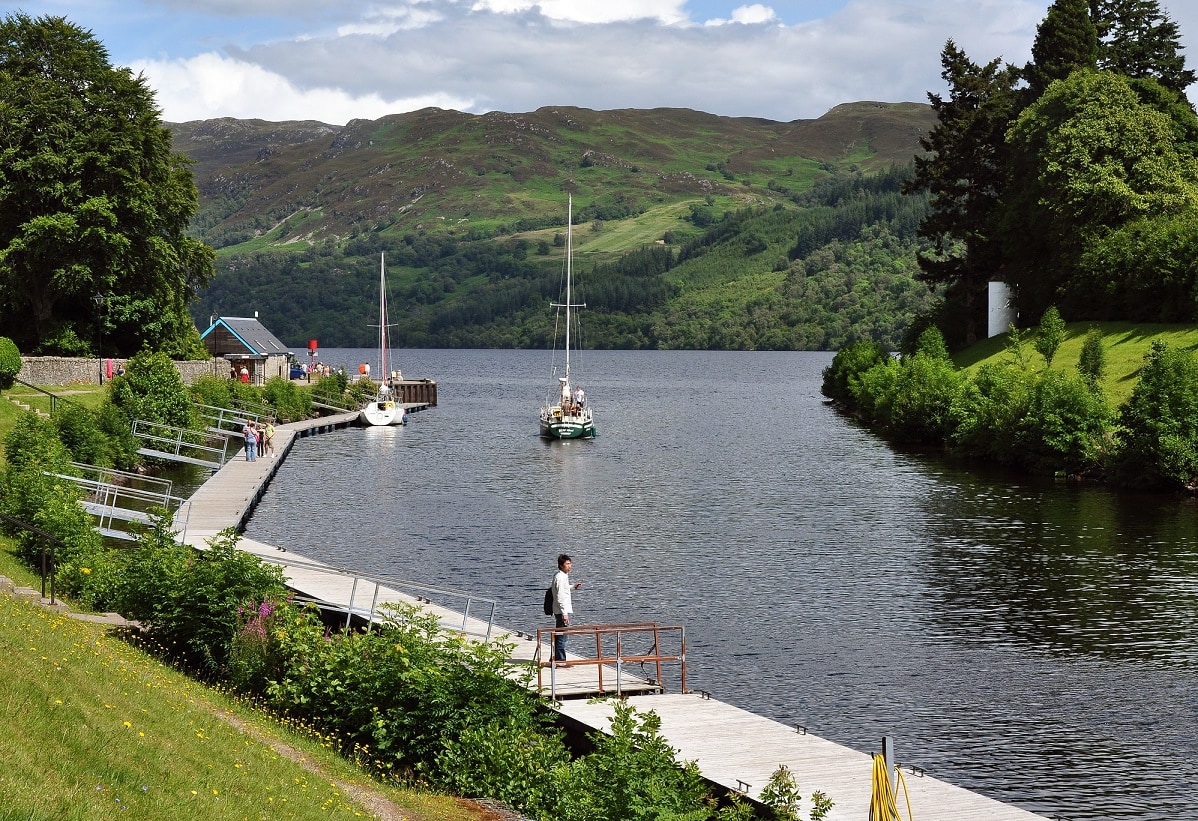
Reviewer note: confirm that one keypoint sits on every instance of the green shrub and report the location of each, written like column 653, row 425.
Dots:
column 910, row 400
column 153, row 390
column 633, row 773
column 511, row 761
column 1159, row 423
column 291, row 402
column 187, row 599
column 79, row 431
column 254, row 658
column 1092, row 362
column 10, row 362
column 31, row 492
column 213, row 391
column 332, row 390
column 847, row 367
column 117, row 429
column 403, row 690
column 986, row 414
column 1066, row 427
column 1050, row 334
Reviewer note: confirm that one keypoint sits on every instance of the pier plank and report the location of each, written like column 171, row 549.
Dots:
column 734, row 747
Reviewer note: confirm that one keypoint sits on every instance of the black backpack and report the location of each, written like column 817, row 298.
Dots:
column 549, row 600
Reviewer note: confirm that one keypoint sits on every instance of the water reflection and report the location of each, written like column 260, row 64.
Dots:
column 1065, row 569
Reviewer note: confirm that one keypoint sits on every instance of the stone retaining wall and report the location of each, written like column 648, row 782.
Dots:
column 63, row 370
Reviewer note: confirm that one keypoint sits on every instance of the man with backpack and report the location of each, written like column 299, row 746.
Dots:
column 563, row 606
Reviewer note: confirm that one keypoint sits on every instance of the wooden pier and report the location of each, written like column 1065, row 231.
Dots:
column 733, row 748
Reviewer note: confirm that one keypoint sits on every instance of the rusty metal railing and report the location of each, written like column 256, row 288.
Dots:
column 612, row 643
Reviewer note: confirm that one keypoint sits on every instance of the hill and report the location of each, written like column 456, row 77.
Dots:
column 438, row 170
column 470, row 208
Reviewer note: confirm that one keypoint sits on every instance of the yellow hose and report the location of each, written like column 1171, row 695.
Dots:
column 883, row 804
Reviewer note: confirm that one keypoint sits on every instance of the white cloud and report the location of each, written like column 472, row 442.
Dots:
column 747, row 15
column 210, row 86
column 367, row 60
column 592, row 11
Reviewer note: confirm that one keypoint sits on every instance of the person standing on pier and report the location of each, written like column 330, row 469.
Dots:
column 268, row 439
column 251, row 441
column 563, row 606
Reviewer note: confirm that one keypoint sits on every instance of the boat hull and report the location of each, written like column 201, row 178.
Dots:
column 556, row 425
column 381, row 413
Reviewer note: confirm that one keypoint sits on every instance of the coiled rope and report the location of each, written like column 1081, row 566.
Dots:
column 883, row 802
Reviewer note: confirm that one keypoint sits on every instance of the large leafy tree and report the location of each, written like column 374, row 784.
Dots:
column 964, row 171
column 93, row 203
column 1138, row 40
column 1089, row 159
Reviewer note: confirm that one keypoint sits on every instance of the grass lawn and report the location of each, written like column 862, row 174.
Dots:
column 96, row 729
column 1125, row 345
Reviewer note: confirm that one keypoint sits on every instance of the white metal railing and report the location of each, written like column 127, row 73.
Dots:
column 227, row 421
column 366, row 589
column 112, row 503
column 171, row 442
column 127, row 477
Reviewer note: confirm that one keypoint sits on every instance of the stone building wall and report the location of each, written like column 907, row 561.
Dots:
column 63, row 370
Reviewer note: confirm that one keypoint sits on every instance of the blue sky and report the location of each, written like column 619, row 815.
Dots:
column 337, row 60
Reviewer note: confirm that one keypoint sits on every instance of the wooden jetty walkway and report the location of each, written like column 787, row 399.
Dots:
column 733, row 748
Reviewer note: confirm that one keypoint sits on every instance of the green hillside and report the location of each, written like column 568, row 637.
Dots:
column 470, row 211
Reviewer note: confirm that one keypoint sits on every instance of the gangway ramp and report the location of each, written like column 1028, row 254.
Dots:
column 177, row 444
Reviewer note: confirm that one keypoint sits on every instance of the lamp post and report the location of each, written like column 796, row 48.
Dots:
column 98, row 298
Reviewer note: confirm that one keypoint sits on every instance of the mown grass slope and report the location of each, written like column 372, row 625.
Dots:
column 1125, row 345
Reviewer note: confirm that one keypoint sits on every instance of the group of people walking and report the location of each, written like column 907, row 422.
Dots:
column 259, row 437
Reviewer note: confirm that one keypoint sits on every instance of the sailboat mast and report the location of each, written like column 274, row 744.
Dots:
column 382, row 318
column 569, row 296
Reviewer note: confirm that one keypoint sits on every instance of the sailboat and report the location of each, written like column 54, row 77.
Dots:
column 384, row 407
column 566, row 413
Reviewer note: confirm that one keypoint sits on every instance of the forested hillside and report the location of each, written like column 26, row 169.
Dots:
column 691, row 231
column 830, row 266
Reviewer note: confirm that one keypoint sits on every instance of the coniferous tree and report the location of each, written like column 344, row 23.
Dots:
column 1066, row 40
column 965, row 174
column 1138, row 40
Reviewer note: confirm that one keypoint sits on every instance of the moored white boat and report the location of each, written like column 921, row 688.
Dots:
column 385, row 407
column 567, row 413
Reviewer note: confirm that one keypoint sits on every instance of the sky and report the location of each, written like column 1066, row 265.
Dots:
column 338, row 60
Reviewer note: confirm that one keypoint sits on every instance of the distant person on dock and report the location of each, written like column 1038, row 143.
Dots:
column 563, row 606
column 268, row 439
column 251, row 441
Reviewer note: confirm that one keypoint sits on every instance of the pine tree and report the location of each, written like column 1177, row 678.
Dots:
column 1137, row 39
column 1066, row 40
column 965, row 172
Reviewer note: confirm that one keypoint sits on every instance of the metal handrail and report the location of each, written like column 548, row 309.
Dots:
column 379, row 584
column 130, row 478
column 216, row 418
column 178, row 440
column 54, row 398
column 109, row 503
column 619, row 632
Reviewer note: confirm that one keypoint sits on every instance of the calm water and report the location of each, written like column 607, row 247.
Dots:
column 1030, row 641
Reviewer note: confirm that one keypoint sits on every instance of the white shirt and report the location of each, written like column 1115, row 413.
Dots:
column 562, row 603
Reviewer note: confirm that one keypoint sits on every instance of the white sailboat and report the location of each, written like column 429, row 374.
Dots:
column 566, row 413
column 384, row 408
